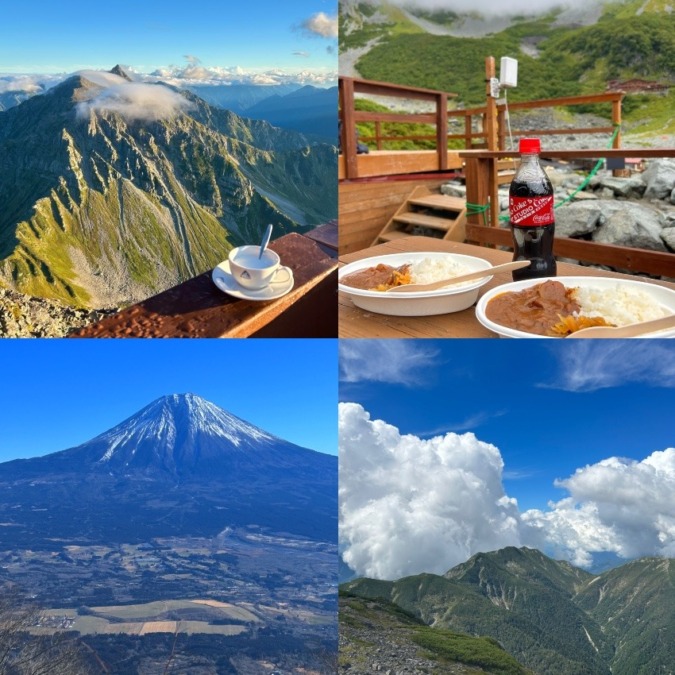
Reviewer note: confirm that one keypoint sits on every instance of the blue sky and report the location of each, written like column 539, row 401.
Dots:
column 523, row 397
column 59, row 393
column 573, row 450
column 39, row 36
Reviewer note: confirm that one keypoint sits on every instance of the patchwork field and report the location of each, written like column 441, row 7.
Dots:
column 166, row 616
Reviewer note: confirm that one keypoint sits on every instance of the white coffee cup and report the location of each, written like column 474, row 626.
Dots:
column 256, row 273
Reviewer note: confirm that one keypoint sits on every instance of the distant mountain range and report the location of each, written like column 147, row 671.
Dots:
column 180, row 466
column 310, row 110
column 103, row 208
column 552, row 617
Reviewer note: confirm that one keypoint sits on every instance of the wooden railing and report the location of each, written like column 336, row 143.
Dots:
column 483, row 127
column 482, row 187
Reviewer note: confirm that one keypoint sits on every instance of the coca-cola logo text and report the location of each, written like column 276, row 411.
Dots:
column 531, row 211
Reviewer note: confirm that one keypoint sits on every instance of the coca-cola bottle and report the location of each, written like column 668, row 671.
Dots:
column 531, row 214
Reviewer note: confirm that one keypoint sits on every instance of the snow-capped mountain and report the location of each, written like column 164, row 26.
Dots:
column 181, row 465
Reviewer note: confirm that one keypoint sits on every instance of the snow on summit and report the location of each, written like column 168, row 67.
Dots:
column 176, row 419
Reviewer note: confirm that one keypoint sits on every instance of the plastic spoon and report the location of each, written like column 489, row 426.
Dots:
column 416, row 288
column 631, row 330
column 265, row 240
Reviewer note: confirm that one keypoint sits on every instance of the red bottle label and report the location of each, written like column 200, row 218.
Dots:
column 531, row 211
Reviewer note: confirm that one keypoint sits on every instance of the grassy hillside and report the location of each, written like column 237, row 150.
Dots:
column 441, row 650
column 630, row 40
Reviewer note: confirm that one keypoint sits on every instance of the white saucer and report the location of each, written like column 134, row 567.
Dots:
column 225, row 281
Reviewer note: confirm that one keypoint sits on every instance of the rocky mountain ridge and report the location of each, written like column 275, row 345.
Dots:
column 552, row 617
column 113, row 193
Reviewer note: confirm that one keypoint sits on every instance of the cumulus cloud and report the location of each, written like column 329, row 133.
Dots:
column 409, row 505
column 617, row 505
column 134, row 100
column 320, row 25
column 394, row 361
column 588, row 365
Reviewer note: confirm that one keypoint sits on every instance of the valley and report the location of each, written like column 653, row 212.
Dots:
column 182, row 533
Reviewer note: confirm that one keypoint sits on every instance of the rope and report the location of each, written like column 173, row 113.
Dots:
column 476, row 209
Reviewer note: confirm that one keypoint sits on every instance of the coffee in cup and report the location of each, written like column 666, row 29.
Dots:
column 256, row 272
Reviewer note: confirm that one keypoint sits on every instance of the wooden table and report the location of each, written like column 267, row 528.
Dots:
column 196, row 308
column 358, row 323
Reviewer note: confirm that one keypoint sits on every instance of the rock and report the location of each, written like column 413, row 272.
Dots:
column 668, row 236
column 577, row 219
column 25, row 316
column 632, row 225
column 585, row 196
column 660, row 179
column 672, row 196
column 633, row 187
column 454, row 190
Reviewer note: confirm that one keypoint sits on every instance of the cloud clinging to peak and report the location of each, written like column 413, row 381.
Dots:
column 136, row 101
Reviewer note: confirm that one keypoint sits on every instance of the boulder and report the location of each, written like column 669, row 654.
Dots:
column 668, row 236
column 660, row 179
column 632, row 225
column 626, row 188
column 577, row 219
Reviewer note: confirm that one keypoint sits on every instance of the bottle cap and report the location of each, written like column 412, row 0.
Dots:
column 529, row 145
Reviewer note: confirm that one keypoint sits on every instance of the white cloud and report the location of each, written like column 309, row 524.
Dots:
column 618, row 505
column 409, row 505
column 588, row 365
column 490, row 7
column 321, row 25
column 29, row 84
column 134, row 100
column 394, row 361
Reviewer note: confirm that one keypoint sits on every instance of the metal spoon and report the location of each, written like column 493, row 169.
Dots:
column 416, row 288
column 265, row 240
column 631, row 330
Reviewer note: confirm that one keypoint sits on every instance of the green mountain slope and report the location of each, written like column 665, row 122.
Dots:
column 376, row 631
column 635, row 605
column 550, row 616
column 101, row 210
column 556, row 56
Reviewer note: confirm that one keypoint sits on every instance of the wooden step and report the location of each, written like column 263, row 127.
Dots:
column 412, row 218
column 440, row 202
column 393, row 234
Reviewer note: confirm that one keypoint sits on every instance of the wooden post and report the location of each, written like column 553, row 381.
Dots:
column 442, row 130
column 491, row 106
column 468, row 141
column 378, row 132
column 477, row 186
column 348, row 140
column 616, row 120
column 492, row 142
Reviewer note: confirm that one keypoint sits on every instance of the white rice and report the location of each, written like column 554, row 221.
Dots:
column 428, row 270
column 619, row 306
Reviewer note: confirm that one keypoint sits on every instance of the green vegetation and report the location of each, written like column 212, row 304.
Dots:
column 549, row 615
column 367, row 130
column 569, row 61
column 483, row 652
column 446, row 650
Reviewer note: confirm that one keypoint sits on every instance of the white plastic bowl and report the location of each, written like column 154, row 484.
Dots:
column 660, row 294
column 425, row 303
